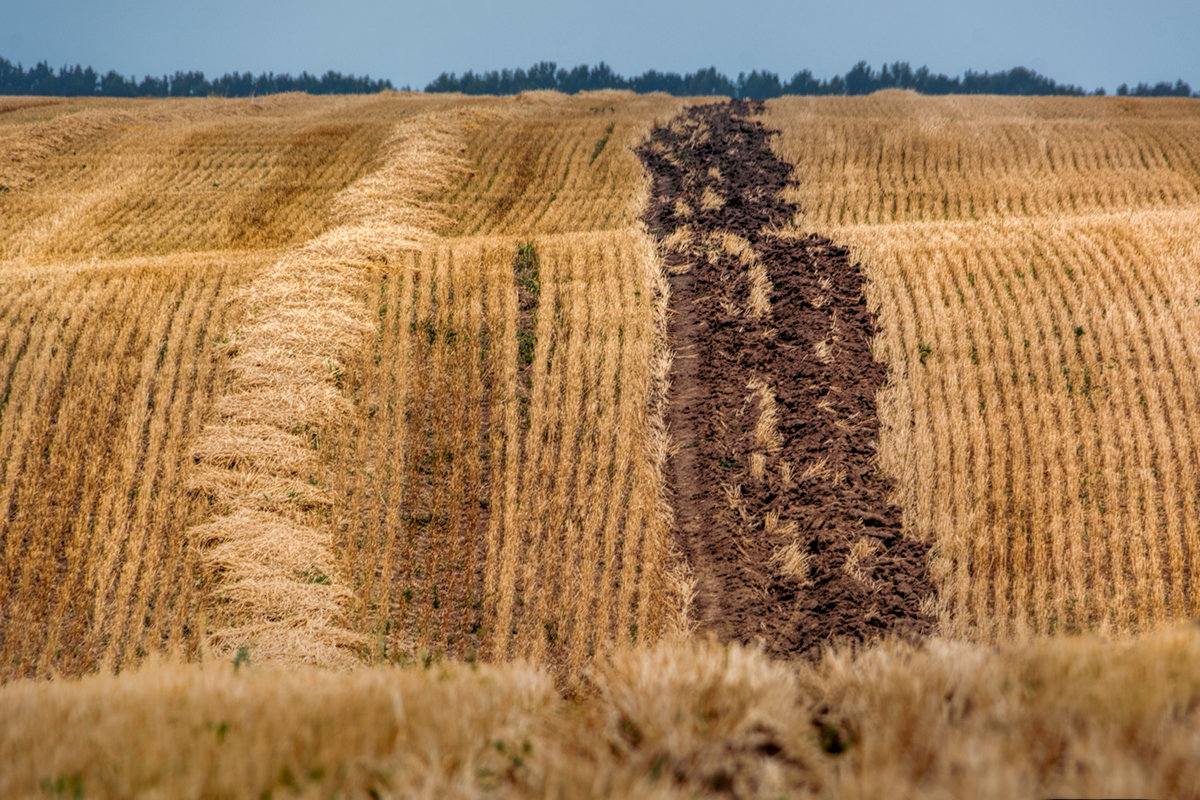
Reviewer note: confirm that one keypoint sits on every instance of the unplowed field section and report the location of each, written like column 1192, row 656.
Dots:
column 1035, row 267
column 780, row 508
column 105, row 374
column 129, row 233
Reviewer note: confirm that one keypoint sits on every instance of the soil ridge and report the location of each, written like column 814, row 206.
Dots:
column 780, row 508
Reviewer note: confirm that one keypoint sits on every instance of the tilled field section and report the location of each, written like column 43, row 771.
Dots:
column 780, row 509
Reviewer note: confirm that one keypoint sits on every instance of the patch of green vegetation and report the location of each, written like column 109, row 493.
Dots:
column 600, row 145
column 314, row 576
column 242, row 659
column 526, row 342
column 832, row 739
column 924, row 350
column 527, row 269
column 64, row 785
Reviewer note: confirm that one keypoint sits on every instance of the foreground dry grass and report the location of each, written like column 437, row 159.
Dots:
column 1066, row 717
column 1034, row 264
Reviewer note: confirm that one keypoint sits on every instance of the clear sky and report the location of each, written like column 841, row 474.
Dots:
column 1090, row 43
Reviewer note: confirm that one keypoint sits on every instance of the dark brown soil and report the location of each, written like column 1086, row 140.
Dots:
column 825, row 406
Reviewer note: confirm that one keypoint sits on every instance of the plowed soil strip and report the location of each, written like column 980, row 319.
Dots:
column 779, row 506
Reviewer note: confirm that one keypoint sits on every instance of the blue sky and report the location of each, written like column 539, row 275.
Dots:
column 1097, row 43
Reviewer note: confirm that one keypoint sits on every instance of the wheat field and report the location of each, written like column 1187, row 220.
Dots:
column 130, row 236
column 385, row 389
column 334, row 451
column 1033, row 263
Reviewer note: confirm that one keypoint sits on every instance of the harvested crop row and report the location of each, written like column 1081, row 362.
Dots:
column 498, row 492
column 97, row 409
column 781, row 510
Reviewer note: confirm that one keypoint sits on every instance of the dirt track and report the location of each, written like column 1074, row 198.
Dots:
column 714, row 174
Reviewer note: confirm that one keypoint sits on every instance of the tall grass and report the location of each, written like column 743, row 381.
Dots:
column 1061, row 717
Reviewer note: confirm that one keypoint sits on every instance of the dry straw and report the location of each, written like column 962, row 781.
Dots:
column 1064, row 717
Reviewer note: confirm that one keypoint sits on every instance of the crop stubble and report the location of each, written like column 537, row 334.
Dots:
column 1033, row 263
column 503, row 490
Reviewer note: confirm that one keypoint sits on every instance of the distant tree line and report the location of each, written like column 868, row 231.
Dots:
column 1160, row 89
column 79, row 81
column 548, row 75
column 760, row 85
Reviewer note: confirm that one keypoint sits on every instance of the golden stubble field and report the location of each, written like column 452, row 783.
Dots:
column 331, row 382
column 301, row 383
column 1033, row 264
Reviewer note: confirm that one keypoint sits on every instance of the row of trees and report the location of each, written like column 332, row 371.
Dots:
column 1160, row 89
column 79, row 81
column 548, row 75
column 760, row 85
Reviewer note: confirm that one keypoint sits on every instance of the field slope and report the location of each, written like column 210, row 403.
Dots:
column 600, row 445
column 331, row 381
